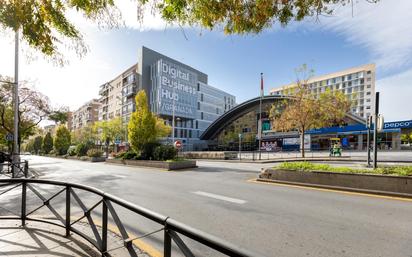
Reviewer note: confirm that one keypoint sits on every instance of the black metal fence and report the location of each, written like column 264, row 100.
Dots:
column 172, row 229
column 15, row 170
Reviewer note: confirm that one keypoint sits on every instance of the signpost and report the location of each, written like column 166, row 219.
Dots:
column 178, row 144
column 240, row 146
column 9, row 137
column 368, row 139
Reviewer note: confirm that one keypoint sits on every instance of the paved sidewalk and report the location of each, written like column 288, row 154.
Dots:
column 40, row 239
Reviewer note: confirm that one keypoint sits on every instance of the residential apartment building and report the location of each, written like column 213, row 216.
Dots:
column 357, row 83
column 86, row 114
column 169, row 84
column 111, row 97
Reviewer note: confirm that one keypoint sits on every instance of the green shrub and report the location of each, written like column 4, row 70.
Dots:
column 72, row 150
column 164, row 153
column 82, row 148
column 94, row 153
column 62, row 140
column 148, row 151
column 384, row 170
column 130, row 155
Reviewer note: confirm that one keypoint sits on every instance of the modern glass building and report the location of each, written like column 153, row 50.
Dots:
column 174, row 89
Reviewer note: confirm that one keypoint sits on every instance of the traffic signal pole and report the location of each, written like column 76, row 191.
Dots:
column 375, row 132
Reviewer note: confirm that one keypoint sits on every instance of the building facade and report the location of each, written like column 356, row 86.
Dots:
column 357, row 83
column 86, row 115
column 174, row 89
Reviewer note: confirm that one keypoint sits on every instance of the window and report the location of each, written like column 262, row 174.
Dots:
column 198, row 105
column 197, row 124
column 201, row 97
column 368, row 107
column 368, row 72
column 198, row 86
column 349, row 77
column 368, row 93
column 368, row 79
column 201, row 115
column 368, row 100
column 190, row 133
column 217, row 110
column 368, row 86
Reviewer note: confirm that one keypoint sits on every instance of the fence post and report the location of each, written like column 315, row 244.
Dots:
column 26, row 168
column 23, row 203
column 167, row 245
column 104, row 228
column 68, row 211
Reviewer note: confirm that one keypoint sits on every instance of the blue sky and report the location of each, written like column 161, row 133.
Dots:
column 374, row 34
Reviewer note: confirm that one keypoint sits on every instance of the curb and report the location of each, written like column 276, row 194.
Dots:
column 347, row 189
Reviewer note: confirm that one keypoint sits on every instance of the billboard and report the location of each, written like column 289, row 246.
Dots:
column 174, row 87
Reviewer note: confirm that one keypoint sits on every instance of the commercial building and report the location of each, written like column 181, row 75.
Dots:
column 174, row 89
column 223, row 133
column 357, row 83
column 87, row 114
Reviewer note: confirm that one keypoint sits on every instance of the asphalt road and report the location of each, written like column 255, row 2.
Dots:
column 270, row 219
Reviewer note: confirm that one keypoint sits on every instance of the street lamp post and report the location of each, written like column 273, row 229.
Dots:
column 16, row 151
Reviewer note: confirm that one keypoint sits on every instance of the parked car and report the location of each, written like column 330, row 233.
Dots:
column 4, row 157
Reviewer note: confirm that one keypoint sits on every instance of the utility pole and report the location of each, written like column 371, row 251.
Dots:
column 260, row 116
column 16, row 151
column 375, row 132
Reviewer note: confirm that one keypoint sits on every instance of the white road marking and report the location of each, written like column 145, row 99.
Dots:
column 220, row 197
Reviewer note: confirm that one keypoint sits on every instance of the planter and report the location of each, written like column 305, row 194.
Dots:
column 97, row 159
column 156, row 164
column 379, row 183
column 210, row 155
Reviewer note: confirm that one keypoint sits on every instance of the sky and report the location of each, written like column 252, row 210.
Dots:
column 369, row 33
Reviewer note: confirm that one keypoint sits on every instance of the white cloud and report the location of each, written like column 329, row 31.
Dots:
column 383, row 28
column 395, row 94
column 71, row 85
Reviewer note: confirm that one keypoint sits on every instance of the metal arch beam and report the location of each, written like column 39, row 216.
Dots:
column 239, row 110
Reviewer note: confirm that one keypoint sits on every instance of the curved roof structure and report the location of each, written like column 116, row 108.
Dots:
column 239, row 110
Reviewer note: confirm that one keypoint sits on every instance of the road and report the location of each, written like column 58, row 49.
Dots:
column 274, row 220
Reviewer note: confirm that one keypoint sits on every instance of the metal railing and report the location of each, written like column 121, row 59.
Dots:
column 15, row 170
column 171, row 228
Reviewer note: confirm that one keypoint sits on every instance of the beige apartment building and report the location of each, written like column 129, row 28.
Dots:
column 357, row 83
column 117, row 95
column 85, row 115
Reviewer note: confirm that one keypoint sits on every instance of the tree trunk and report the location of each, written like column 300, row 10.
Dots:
column 302, row 143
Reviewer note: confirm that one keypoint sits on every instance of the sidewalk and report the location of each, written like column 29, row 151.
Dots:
column 40, row 239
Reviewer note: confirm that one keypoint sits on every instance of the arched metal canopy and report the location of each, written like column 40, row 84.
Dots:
column 239, row 110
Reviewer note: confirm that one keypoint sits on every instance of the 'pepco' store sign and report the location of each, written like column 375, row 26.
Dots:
column 398, row 124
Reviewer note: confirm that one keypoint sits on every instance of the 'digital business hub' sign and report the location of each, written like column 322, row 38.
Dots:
column 176, row 87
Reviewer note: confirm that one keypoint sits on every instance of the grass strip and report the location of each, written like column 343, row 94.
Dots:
column 382, row 170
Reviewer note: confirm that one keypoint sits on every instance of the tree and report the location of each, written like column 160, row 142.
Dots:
column 45, row 25
column 85, row 135
column 33, row 108
column 143, row 123
column 111, row 130
column 38, row 142
column 60, row 116
column 47, row 143
column 305, row 111
column 62, row 140
column 407, row 138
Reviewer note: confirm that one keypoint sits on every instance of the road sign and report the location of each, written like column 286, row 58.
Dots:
column 9, row 137
column 380, row 122
column 178, row 144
